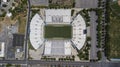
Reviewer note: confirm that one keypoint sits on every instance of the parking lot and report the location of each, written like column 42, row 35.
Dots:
column 93, row 49
column 39, row 2
column 86, row 3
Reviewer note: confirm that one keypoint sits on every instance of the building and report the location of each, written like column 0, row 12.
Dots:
column 55, row 45
column 2, row 49
column 4, row 0
column 18, row 42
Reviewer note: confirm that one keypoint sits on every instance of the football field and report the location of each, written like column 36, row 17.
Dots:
column 58, row 31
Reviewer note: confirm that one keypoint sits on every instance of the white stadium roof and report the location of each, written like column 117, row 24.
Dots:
column 2, row 49
column 36, row 31
column 58, row 15
column 79, row 37
column 4, row 0
column 57, row 47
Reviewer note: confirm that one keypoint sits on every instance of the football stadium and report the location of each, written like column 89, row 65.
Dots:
column 57, row 32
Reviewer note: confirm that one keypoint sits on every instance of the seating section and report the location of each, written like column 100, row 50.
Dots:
column 36, row 31
column 79, row 37
column 57, row 47
column 58, row 16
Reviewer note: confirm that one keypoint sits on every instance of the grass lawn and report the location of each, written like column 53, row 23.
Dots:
column 22, row 24
column 64, row 31
column 114, row 34
column 30, row 45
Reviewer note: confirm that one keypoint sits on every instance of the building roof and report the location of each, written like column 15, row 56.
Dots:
column 79, row 34
column 2, row 49
column 4, row 0
column 18, row 40
column 36, row 31
column 58, row 16
column 9, row 14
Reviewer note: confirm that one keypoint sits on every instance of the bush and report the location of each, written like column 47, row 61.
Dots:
column 8, row 65
column 107, row 18
column 99, row 55
column 3, row 15
column 72, row 12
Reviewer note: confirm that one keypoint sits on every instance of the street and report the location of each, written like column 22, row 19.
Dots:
column 63, row 63
column 27, row 32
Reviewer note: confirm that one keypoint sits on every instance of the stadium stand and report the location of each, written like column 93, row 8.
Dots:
column 79, row 37
column 36, row 31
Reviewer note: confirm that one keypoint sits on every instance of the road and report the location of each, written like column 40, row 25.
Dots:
column 64, row 63
column 27, row 32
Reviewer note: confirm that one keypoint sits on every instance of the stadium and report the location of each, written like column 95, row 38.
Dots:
column 57, row 32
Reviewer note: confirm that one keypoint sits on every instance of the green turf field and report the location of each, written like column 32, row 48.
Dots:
column 63, row 31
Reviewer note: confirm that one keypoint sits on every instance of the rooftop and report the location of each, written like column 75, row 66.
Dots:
column 18, row 40
column 2, row 49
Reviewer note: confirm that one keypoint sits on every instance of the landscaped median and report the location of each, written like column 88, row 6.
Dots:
column 84, row 53
column 48, row 59
column 99, row 26
column 99, row 55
